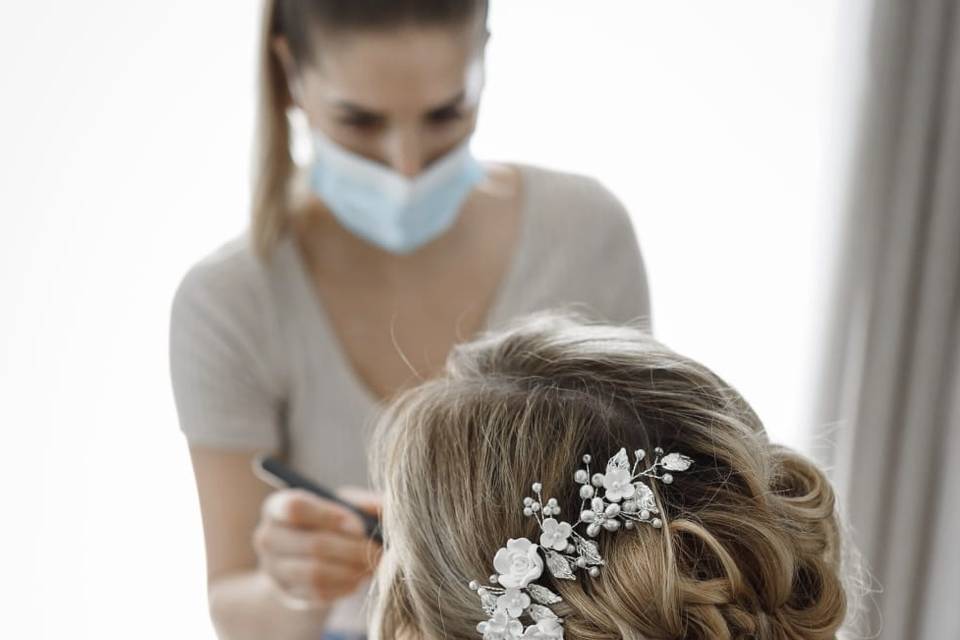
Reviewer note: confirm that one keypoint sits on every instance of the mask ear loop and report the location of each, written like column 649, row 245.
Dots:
column 301, row 135
column 294, row 84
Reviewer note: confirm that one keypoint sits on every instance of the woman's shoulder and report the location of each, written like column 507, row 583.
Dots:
column 225, row 364
column 578, row 208
column 229, row 280
column 229, row 264
column 575, row 199
column 585, row 246
column 231, row 268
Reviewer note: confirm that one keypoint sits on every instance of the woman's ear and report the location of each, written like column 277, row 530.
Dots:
column 281, row 49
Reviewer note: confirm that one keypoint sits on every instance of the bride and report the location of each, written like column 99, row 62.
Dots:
column 569, row 478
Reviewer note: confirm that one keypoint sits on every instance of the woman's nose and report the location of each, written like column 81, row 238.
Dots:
column 405, row 154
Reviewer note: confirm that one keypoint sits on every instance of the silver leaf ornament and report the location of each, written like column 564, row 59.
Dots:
column 542, row 595
column 588, row 549
column 619, row 461
column 539, row 612
column 644, row 497
column 676, row 462
column 489, row 602
column 559, row 566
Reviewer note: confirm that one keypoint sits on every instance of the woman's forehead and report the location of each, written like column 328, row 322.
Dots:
column 411, row 68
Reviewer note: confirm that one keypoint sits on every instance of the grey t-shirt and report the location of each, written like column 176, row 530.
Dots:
column 255, row 364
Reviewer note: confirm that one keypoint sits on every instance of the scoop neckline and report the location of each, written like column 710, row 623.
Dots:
column 502, row 293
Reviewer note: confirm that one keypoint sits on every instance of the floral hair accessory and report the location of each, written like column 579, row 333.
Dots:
column 625, row 501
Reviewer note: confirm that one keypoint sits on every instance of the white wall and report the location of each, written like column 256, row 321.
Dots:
column 124, row 138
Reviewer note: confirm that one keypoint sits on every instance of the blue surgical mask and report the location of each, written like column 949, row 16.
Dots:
column 383, row 206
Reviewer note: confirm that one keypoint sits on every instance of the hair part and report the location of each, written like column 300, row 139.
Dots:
column 299, row 21
column 750, row 547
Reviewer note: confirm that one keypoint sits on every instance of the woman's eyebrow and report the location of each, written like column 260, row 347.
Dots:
column 358, row 110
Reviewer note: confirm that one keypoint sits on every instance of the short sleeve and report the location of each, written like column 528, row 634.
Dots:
column 225, row 384
column 626, row 299
column 620, row 290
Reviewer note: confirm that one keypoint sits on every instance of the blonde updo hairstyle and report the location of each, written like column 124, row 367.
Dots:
column 751, row 544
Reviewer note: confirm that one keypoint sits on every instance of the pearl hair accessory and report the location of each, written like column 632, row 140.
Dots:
column 626, row 500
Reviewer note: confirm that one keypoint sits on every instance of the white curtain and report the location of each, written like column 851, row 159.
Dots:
column 891, row 382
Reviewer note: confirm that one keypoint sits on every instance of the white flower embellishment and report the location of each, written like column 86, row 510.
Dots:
column 626, row 500
column 544, row 630
column 618, row 484
column 555, row 534
column 514, row 602
column 518, row 563
column 502, row 626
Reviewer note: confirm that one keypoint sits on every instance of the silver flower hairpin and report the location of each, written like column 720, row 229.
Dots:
column 626, row 500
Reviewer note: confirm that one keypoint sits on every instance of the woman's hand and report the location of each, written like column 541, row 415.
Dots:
column 315, row 550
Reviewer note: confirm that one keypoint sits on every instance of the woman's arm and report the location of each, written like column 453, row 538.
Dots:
column 244, row 601
column 245, row 605
column 267, row 557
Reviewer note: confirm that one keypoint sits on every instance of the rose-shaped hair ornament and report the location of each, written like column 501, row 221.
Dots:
column 610, row 501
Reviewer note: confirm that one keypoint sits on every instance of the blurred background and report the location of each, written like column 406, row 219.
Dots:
column 733, row 132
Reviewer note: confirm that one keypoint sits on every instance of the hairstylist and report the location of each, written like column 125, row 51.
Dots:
column 360, row 270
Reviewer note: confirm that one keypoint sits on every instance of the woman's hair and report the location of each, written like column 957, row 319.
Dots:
column 300, row 21
column 751, row 545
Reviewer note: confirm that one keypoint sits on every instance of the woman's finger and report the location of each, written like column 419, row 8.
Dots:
column 301, row 509
column 306, row 578
column 369, row 501
column 327, row 546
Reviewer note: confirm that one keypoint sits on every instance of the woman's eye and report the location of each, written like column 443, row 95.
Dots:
column 365, row 124
column 442, row 117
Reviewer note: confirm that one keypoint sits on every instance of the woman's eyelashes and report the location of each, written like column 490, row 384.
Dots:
column 371, row 123
column 445, row 115
column 364, row 123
